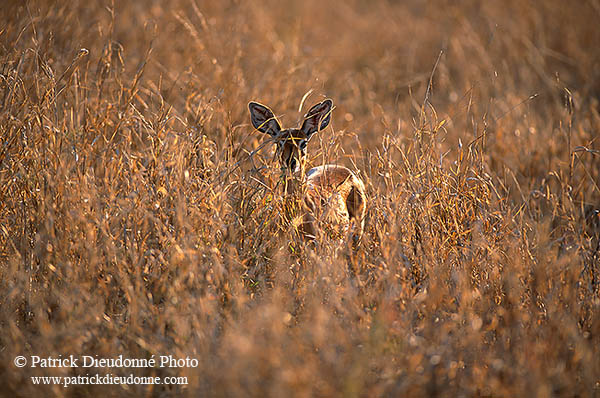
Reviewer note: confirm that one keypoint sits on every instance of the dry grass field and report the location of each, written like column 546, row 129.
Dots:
column 141, row 215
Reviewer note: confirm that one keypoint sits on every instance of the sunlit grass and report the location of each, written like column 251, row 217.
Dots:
column 141, row 214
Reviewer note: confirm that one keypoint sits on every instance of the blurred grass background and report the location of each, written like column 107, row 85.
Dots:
column 133, row 220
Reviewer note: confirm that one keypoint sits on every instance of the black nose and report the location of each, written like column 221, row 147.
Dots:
column 293, row 164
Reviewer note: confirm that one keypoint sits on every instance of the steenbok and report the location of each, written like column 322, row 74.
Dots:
column 331, row 195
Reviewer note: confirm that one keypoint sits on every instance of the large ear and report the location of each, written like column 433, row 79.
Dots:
column 263, row 119
column 317, row 118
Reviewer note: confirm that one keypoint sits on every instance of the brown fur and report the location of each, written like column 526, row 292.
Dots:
column 333, row 193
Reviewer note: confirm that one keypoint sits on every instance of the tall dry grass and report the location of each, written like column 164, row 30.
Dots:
column 139, row 215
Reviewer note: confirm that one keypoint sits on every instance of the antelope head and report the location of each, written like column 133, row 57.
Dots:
column 291, row 142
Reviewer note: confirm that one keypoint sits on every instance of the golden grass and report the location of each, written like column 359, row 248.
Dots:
column 134, row 222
